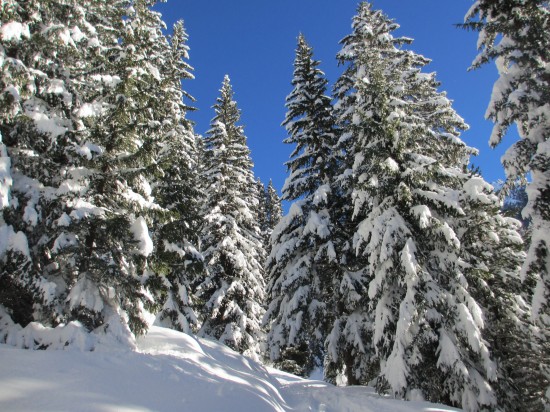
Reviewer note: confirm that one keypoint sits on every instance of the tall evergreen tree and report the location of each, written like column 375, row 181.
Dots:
column 49, row 56
column 411, row 318
column 120, row 125
column 493, row 254
column 233, row 291
column 178, row 263
column 86, row 126
column 302, row 249
column 23, row 147
column 516, row 34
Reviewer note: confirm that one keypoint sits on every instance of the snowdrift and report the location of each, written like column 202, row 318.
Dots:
column 170, row 371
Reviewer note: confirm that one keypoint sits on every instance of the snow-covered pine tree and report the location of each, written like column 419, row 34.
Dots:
column 49, row 50
column 516, row 34
column 493, row 252
column 124, row 124
column 15, row 260
column 17, row 275
column 95, row 121
column 348, row 345
column 302, row 255
column 269, row 211
column 88, row 134
column 233, row 292
column 178, row 265
column 105, row 227
column 418, row 329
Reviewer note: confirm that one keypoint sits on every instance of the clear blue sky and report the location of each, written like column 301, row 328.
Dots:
column 253, row 41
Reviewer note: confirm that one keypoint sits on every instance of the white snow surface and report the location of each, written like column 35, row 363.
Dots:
column 171, row 371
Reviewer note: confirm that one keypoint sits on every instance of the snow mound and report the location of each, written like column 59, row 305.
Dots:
column 170, row 371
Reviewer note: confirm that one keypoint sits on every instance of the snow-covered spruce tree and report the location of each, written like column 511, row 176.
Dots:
column 233, row 292
column 15, row 260
column 302, row 255
column 348, row 345
column 95, row 242
column 493, row 253
column 85, row 125
column 516, row 34
column 418, row 329
column 107, row 241
column 48, row 52
column 124, row 125
column 177, row 264
column 17, row 275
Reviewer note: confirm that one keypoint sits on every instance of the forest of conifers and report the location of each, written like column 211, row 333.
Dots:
column 396, row 265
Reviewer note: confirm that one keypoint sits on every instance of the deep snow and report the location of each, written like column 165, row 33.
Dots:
column 171, row 371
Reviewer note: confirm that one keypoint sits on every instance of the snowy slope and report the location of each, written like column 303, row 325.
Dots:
column 170, row 371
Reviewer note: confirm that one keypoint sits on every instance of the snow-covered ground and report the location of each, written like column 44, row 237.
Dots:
column 170, row 371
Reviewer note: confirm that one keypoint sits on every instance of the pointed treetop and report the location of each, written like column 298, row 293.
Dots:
column 302, row 42
column 226, row 95
column 371, row 26
column 304, row 55
column 226, row 108
column 226, row 92
column 226, row 84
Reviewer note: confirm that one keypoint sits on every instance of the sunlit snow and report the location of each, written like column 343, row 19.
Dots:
column 171, row 371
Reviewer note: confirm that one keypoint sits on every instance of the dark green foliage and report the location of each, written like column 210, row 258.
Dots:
column 177, row 263
column 302, row 255
column 516, row 35
column 233, row 290
column 95, row 113
column 13, row 293
column 416, row 286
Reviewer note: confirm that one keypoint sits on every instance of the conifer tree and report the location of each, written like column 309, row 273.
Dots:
column 178, row 263
column 120, row 125
column 49, row 49
column 15, row 260
column 89, row 115
column 302, row 248
column 493, row 253
column 412, row 320
column 233, row 290
column 516, row 35
column 17, row 276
